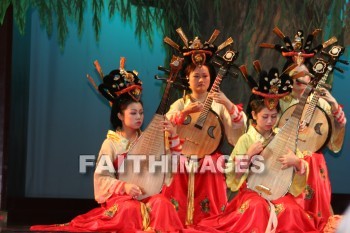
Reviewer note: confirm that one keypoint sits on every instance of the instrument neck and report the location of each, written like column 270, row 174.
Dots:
column 293, row 122
column 165, row 99
column 311, row 109
column 209, row 100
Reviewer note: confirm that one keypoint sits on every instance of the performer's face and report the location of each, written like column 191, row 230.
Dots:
column 265, row 119
column 199, row 79
column 132, row 117
column 297, row 86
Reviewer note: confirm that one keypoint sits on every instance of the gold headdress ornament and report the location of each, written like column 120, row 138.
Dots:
column 118, row 83
column 271, row 86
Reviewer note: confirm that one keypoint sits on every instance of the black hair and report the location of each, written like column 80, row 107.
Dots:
column 119, row 106
column 256, row 104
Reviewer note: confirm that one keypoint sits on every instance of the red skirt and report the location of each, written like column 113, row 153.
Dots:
column 249, row 212
column 122, row 214
column 209, row 189
column 317, row 196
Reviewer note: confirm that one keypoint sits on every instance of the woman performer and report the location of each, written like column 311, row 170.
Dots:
column 119, row 210
column 248, row 211
column 209, row 188
column 316, row 197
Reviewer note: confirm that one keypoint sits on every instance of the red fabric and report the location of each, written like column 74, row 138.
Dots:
column 317, row 196
column 293, row 218
column 249, row 212
column 209, row 191
column 240, row 107
column 127, row 217
column 163, row 215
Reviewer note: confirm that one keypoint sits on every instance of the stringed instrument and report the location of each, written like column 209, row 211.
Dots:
column 203, row 131
column 273, row 182
column 315, row 127
column 151, row 143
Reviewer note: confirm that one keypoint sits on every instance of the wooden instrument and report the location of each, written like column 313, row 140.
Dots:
column 151, row 143
column 203, row 131
column 272, row 182
column 315, row 134
column 315, row 127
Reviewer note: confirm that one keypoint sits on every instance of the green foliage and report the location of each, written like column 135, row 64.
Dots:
column 45, row 14
column 248, row 22
column 79, row 8
column 97, row 8
column 20, row 8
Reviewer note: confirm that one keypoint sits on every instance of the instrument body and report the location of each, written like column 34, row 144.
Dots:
column 315, row 127
column 150, row 143
column 203, row 132
column 272, row 182
column 149, row 151
column 203, row 139
column 313, row 136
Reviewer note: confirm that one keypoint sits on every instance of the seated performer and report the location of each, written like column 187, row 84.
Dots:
column 316, row 197
column 249, row 211
column 205, row 195
column 120, row 211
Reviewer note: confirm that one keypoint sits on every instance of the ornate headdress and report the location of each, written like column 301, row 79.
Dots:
column 270, row 87
column 199, row 53
column 296, row 51
column 118, row 83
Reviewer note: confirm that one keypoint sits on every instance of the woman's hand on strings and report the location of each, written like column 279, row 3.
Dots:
column 193, row 107
column 289, row 159
column 132, row 190
column 255, row 149
column 221, row 98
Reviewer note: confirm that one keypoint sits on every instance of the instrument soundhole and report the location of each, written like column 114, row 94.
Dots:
column 317, row 128
column 211, row 131
column 187, row 120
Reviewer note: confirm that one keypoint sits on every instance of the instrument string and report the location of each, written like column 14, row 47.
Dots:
column 311, row 109
column 209, row 100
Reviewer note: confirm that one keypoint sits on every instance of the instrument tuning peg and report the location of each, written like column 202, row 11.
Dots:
column 159, row 78
column 340, row 70
column 344, row 62
column 327, row 86
column 179, row 85
column 325, row 53
column 161, row 68
column 216, row 63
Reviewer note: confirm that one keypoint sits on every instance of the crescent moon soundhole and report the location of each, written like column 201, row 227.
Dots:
column 317, row 128
column 187, row 120
column 211, row 131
